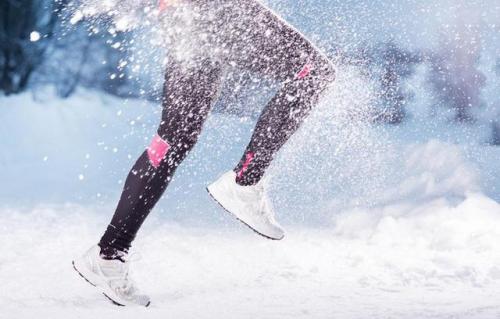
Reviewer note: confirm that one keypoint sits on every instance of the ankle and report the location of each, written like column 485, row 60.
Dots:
column 110, row 253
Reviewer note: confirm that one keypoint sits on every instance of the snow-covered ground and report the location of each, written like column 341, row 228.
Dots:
column 438, row 261
column 382, row 222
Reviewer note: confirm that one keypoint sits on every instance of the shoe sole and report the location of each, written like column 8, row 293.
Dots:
column 241, row 221
column 94, row 285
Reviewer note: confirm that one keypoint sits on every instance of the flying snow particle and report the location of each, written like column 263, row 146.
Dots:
column 81, row 177
column 124, row 24
column 77, row 17
column 34, row 36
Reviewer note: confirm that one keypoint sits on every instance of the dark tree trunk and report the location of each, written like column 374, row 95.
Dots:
column 496, row 133
column 19, row 55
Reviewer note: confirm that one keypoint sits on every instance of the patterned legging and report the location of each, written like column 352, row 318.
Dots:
column 241, row 34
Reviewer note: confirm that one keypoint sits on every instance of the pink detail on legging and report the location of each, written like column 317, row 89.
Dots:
column 157, row 150
column 306, row 70
column 162, row 5
column 248, row 160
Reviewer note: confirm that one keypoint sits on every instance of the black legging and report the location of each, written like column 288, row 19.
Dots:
column 241, row 34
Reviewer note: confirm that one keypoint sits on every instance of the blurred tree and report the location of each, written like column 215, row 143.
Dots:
column 455, row 75
column 26, row 28
column 496, row 133
column 396, row 66
column 87, row 53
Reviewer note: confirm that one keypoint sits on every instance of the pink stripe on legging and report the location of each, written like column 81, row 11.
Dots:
column 157, row 150
column 248, row 160
column 306, row 70
column 162, row 5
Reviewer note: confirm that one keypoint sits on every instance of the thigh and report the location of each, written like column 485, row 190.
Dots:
column 189, row 92
column 262, row 42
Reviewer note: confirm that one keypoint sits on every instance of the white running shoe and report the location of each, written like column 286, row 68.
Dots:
column 110, row 277
column 249, row 204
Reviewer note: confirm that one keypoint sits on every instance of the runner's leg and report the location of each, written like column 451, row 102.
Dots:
column 189, row 94
column 265, row 44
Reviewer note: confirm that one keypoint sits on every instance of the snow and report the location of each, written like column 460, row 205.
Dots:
column 435, row 261
column 34, row 36
column 382, row 222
